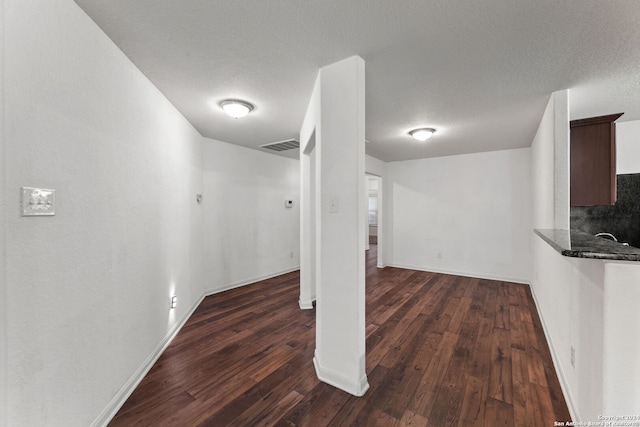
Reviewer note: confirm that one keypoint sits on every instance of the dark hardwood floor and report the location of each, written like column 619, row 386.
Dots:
column 442, row 350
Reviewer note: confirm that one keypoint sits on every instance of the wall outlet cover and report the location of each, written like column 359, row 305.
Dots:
column 38, row 201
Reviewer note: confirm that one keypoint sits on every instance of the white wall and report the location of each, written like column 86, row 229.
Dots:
column 249, row 233
column 466, row 214
column 628, row 147
column 4, row 409
column 88, row 289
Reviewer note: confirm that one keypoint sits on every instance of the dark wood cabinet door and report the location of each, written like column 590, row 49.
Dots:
column 593, row 161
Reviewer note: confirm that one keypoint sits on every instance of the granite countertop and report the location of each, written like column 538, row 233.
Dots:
column 578, row 244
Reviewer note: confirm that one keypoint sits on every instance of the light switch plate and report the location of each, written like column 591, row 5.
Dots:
column 38, row 201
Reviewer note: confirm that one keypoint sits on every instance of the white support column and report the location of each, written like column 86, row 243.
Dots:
column 340, row 318
column 333, row 223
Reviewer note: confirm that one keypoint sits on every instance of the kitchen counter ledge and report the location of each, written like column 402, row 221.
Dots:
column 578, row 244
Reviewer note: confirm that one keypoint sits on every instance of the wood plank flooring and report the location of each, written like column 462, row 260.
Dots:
column 442, row 350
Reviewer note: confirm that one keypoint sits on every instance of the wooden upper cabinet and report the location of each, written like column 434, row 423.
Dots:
column 593, row 161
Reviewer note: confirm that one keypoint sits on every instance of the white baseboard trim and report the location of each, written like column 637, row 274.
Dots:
column 305, row 305
column 239, row 283
column 339, row 381
column 127, row 389
column 463, row 273
column 566, row 391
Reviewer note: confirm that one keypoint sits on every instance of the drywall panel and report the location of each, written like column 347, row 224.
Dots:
column 88, row 290
column 249, row 232
column 467, row 214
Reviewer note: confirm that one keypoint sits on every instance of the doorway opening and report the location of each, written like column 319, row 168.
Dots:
column 374, row 224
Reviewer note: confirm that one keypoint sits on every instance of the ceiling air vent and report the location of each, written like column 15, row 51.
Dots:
column 290, row 144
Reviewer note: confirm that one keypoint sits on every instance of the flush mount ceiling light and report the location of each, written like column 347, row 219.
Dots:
column 236, row 108
column 422, row 134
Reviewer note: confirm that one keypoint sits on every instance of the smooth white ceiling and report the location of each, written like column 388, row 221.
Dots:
column 478, row 71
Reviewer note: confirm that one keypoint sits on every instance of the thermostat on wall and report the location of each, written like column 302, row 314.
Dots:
column 288, row 203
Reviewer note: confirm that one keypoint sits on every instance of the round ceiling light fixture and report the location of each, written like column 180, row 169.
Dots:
column 236, row 108
column 422, row 134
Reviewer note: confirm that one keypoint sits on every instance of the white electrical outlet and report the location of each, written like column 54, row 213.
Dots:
column 573, row 357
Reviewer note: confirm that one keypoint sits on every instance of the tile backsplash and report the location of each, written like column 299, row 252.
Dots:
column 622, row 219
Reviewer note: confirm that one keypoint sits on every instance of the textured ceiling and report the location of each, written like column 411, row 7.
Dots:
column 478, row 71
